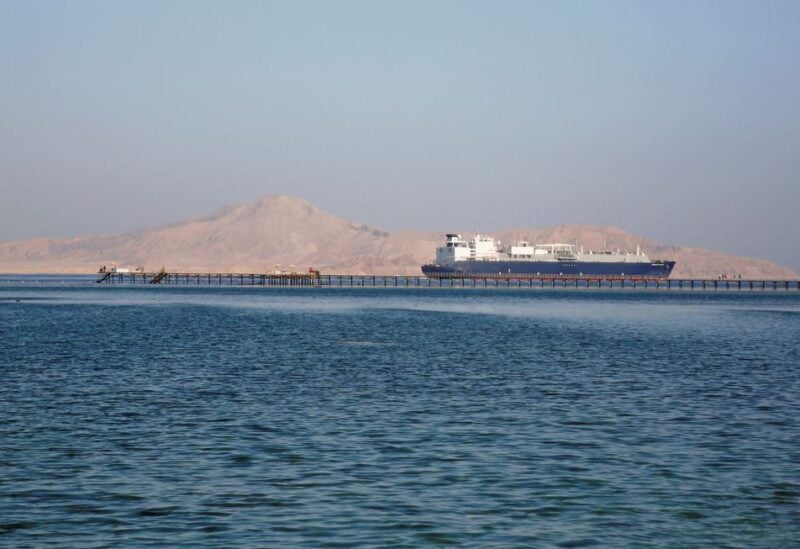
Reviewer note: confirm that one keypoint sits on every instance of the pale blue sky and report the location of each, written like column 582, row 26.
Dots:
column 676, row 120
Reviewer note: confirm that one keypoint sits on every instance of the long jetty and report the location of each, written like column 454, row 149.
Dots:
column 413, row 281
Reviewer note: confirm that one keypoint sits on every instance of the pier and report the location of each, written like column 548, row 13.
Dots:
column 413, row 281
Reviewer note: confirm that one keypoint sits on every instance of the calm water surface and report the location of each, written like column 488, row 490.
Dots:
column 399, row 417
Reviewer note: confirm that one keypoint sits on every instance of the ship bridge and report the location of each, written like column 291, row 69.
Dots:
column 478, row 248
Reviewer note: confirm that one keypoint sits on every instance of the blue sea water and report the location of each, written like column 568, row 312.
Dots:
column 397, row 417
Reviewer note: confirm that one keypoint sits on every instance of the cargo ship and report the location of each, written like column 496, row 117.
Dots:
column 484, row 256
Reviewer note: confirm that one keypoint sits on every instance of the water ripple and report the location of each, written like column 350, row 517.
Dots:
column 332, row 418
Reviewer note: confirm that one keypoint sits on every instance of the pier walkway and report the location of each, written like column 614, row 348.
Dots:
column 412, row 281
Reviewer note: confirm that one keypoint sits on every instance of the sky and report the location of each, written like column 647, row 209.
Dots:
column 678, row 121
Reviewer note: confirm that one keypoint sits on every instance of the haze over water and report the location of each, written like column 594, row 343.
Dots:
column 245, row 416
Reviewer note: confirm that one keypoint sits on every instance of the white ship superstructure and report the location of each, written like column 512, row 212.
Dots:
column 483, row 254
column 486, row 248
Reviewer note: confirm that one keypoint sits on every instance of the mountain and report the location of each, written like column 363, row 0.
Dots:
column 284, row 233
column 273, row 233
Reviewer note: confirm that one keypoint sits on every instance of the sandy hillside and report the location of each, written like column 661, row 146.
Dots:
column 285, row 233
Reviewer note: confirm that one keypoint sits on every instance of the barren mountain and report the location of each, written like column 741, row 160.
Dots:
column 288, row 234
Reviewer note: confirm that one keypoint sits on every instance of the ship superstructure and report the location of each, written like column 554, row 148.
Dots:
column 482, row 255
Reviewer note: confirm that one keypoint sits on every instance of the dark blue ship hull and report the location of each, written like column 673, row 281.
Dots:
column 567, row 269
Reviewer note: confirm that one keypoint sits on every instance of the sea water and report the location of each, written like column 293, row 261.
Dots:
column 397, row 417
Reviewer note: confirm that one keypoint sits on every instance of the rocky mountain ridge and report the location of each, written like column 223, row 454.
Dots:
column 284, row 233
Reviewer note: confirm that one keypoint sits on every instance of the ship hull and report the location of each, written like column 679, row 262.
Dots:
column 533, row 269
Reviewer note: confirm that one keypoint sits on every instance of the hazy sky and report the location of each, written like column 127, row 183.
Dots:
column 676, row 120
